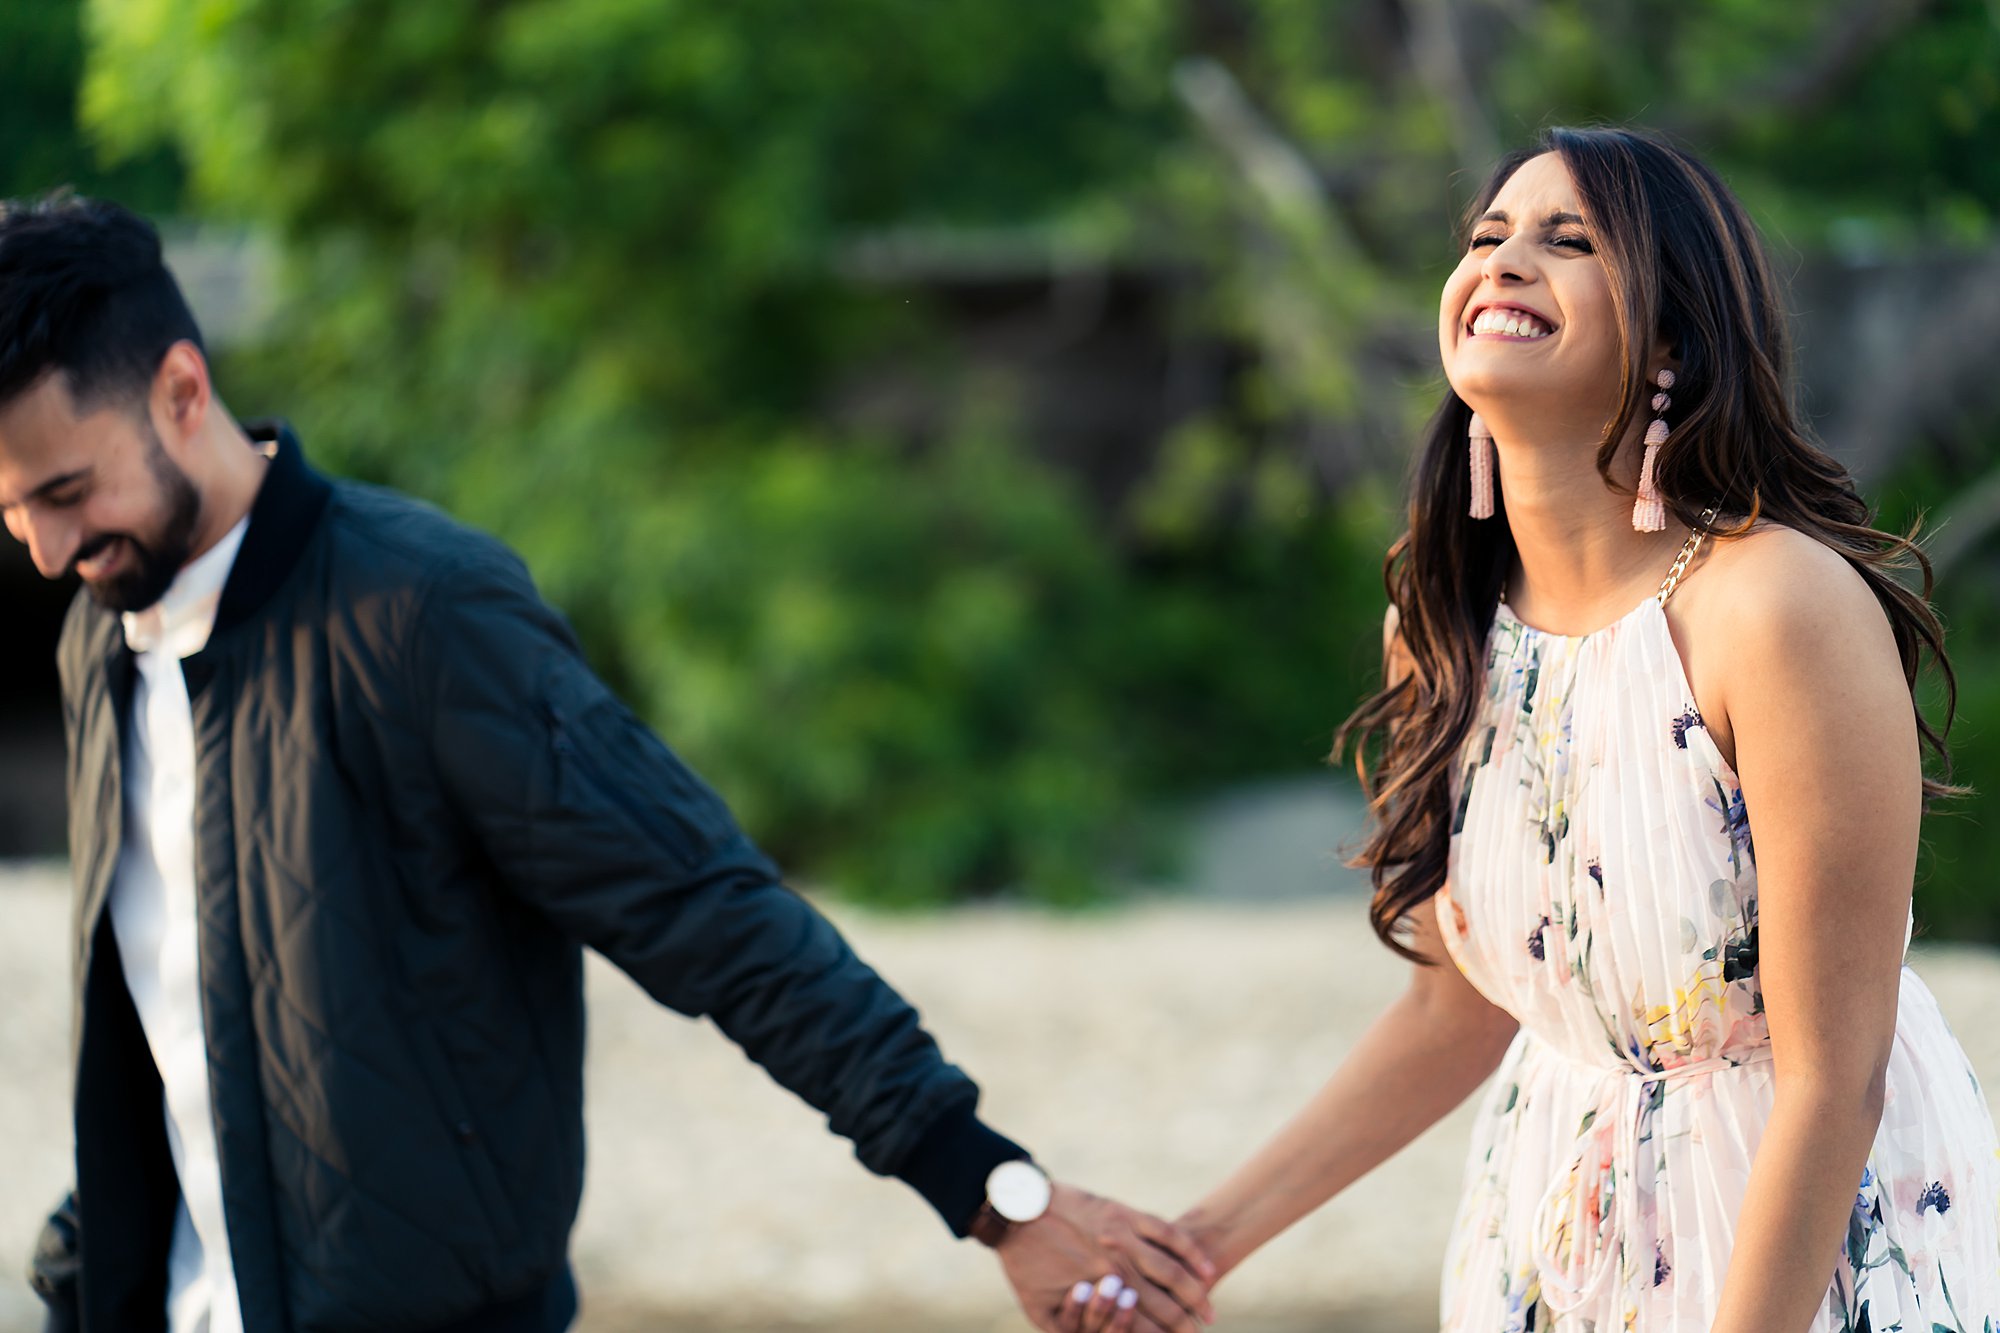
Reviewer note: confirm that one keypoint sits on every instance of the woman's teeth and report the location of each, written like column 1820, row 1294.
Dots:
column 1514, row 323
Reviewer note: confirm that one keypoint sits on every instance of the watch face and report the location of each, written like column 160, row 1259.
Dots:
column 1018, row 1191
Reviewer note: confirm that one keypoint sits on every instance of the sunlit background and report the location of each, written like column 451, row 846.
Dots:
column 969, row 431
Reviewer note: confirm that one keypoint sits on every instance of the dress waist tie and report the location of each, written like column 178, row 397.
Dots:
column 1589, row 1215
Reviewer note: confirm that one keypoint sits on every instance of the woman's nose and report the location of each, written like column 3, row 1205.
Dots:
column 1507, row 261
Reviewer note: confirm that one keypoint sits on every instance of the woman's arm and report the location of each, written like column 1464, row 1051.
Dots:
column 1427, row 1051
column 1826, row 746
column 1422, row 1057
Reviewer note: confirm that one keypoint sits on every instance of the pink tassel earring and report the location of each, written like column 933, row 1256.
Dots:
column 1649, row 511
column 1481, row 440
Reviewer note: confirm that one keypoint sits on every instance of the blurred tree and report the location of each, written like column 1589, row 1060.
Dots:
column 663, row 178
column 1865, row 137
column 569, row 267
column 575, row 268
column 41, row 144
column 42, row 147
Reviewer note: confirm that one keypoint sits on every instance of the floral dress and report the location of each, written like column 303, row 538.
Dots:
column 1603, row 890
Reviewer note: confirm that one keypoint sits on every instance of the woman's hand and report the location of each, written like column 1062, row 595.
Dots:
column 1215, row 1240
column 1082, row 1235
column 1107, row 1306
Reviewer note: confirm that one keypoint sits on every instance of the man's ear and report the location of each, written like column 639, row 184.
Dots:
column 181, row 397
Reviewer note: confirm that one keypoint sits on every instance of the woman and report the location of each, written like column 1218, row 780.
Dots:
column 1616, row 651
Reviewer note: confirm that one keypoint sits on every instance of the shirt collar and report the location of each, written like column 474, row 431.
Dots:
column 181, row 620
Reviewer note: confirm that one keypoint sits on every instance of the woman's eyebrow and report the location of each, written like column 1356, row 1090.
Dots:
column 1555, row 219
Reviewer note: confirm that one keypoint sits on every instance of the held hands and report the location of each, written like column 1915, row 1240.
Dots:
column 1107, row 1306
column 1154, row 1278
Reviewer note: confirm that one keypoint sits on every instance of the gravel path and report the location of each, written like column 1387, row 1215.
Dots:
column 1139, row 1051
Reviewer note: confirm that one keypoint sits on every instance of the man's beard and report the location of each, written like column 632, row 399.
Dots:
column 154, row 564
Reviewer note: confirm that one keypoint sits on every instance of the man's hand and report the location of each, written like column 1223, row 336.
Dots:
column 1082, row 1239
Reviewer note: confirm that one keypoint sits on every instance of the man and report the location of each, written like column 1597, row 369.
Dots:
column 345, row 802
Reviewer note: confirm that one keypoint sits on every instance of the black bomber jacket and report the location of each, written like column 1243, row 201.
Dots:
column 415, row 804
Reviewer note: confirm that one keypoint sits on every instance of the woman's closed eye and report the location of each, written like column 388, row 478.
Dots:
column 1567, row 241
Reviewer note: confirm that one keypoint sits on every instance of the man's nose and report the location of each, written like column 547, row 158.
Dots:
column 51, row 545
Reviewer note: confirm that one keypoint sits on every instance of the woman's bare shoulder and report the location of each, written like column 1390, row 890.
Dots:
column 1777, row 576
column 1780, row 604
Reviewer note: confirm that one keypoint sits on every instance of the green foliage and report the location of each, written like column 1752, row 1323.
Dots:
column 572, row 269
column 969, row 692
column 41, row 145
column 581, row 270
column 656, row 184
column 1954, row 896
column 913, row 691
column 1897, row 145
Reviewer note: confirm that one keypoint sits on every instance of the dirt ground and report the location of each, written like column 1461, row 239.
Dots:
column 1139, row 1052
column 1407, row 1319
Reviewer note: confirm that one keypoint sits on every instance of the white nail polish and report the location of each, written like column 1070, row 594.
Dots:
column 1110, row 1286
column 1127, row 1298
column 1081, row 1292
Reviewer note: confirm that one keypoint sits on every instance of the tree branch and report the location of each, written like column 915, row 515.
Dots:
column 1312, row 296
column 1964, row 524
column 1438, row 58
column 1795, row 86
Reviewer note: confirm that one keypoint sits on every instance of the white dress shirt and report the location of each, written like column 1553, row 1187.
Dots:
column 153, row 913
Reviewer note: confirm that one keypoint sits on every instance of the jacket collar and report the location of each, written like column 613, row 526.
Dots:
column 282, row 520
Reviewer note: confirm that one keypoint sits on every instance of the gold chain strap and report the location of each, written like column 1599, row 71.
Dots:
column 1688, row 548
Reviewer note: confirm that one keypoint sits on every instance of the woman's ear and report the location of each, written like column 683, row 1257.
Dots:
column 1666, row 350
column 1662, row 358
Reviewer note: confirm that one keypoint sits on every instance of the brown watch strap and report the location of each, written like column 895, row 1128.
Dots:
column 988, row 1227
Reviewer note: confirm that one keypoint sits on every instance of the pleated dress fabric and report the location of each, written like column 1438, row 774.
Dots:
column 1603, row 890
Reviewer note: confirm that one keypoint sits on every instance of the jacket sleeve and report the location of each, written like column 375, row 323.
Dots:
column 53, row 1271
column 54, row 1267
column 597, row 823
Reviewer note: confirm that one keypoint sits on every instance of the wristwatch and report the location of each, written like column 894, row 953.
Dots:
column 1016, row 1193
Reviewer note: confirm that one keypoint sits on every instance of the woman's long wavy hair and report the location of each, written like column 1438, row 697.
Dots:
column 1686, row 264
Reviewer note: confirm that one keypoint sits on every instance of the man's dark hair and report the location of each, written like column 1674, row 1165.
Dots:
column 84, row 291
